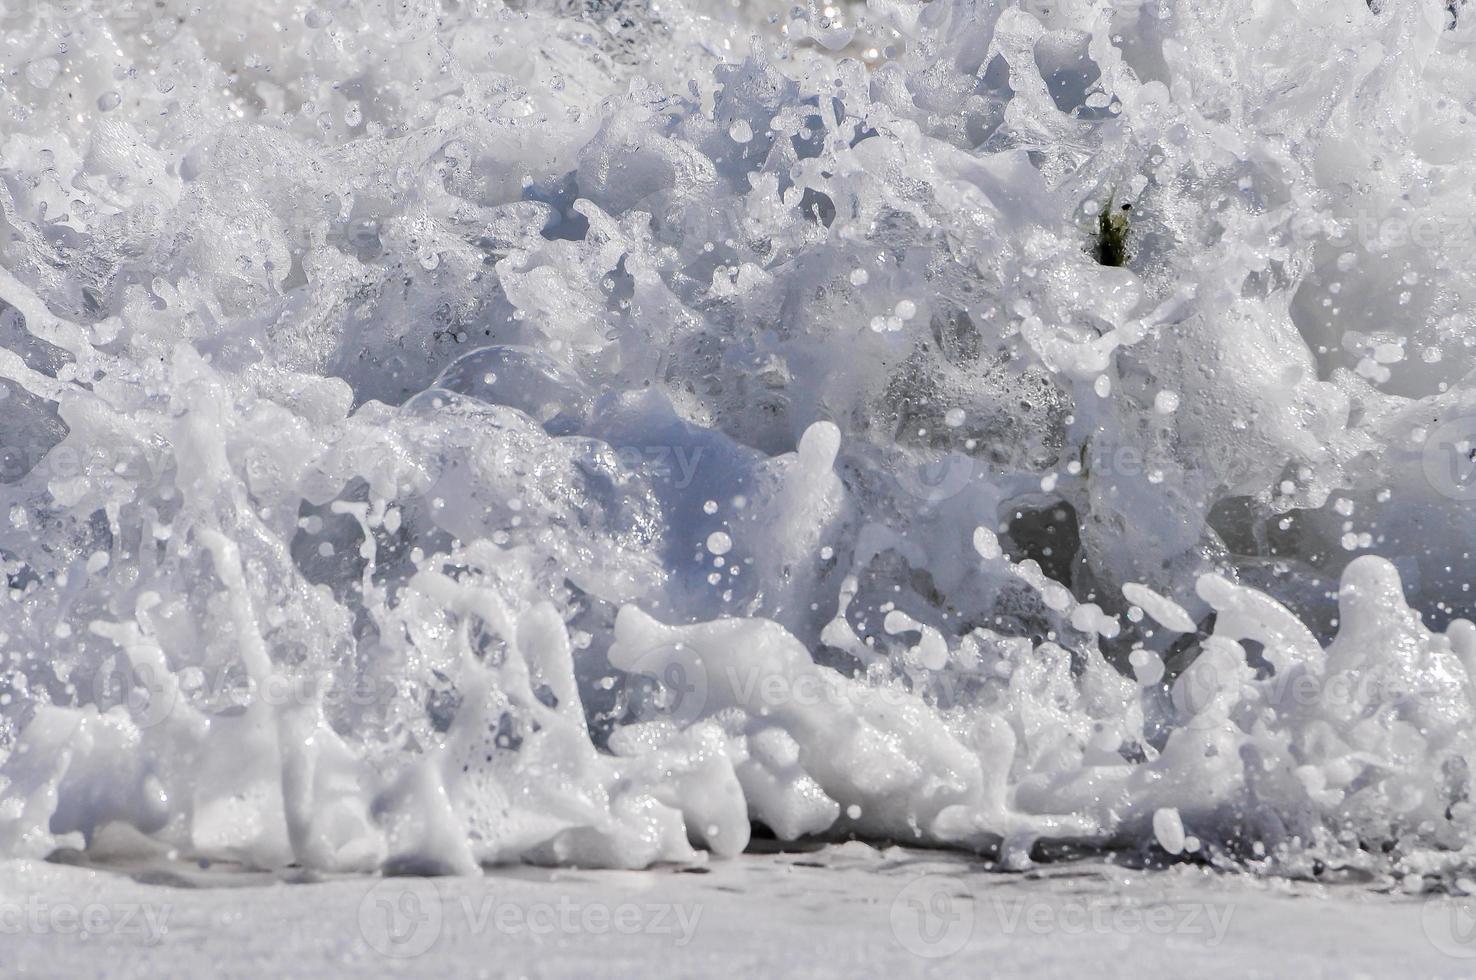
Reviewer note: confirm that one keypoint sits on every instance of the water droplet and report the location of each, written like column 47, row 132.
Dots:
column 42, row 72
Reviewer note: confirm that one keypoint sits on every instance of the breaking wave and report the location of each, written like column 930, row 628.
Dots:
column 447, row 432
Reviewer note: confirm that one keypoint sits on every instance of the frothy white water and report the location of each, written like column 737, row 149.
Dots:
column 444, row 432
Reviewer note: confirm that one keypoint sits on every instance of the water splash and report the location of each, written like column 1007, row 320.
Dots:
column 447, row 433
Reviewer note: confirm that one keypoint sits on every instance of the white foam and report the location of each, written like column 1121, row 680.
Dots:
column 447, row 435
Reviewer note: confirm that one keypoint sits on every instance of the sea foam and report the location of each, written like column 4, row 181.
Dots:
column 448, row 432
